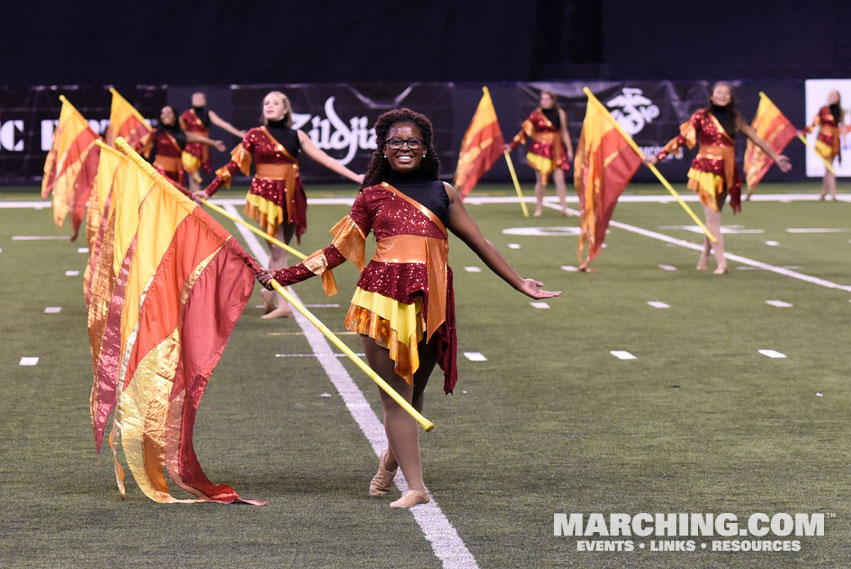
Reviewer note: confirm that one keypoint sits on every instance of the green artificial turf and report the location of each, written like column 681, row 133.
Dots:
column 550, row 423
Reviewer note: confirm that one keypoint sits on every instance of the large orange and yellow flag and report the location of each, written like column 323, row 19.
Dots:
column 125, row 121
column 605, row 163
column 97, row 213
column 773, row 127
column 71, row 167
column 481, row 146
column 187, row 284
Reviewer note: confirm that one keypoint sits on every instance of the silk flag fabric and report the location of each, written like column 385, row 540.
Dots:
column 773, row 127
column 107, row 291
column 187, row 284
column 605, row 162
column 125, row 121
column 71, row 167
column 98, row 211
column 481, row 146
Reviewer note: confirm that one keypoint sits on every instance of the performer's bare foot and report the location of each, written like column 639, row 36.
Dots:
column 565, row 213
column 537, row 213
column 702, row 264
column 268, row 300
column 411, row 499
column 280, row 312
column 720, row 270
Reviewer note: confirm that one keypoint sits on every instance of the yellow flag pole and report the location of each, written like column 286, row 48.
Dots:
column 426, row 424
column 823, row 159
column 516, row 183
column 250, row 227
column 652, row 167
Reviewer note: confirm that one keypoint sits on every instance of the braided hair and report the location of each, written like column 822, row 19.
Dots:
column 379, row 168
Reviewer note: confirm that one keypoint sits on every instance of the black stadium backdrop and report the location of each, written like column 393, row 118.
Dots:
column 339, row 117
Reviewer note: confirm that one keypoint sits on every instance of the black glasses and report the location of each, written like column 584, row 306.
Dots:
column 413, row 143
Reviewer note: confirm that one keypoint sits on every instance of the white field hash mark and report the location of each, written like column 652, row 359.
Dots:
column 72, row 273
column 779, row 303
column 540, row 305
column 473, row 269
column 658, row 304
column 475, row 356
column 773, row 354
column 623, row 355
column 29, row 361
column 445, row 542
column 52, row 309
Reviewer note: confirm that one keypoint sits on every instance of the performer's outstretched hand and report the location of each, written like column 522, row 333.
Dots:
column 199, row 196
column 783, row 163
column 650, row 160
column 265, row 278
column 532, row 288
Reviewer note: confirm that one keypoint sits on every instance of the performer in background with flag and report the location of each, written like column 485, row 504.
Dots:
column 550, row 151
column 829, row 120
column 164, row 147
column 773, row 127
column 713, row 174
column 197, row 120
column 404, row 305
column 276, row 196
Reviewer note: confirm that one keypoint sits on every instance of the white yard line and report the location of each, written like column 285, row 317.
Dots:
column 445, row 541
column 730, row 256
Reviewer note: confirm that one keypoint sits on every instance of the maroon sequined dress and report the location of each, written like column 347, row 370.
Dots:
column 405, row 292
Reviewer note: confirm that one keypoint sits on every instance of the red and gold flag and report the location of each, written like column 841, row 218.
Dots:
column 71, row 167
column 107, row 290
column 97, row 213
column 481, row 146
column 605, row 163
column 187, row 284
column 126, row 121
column 773, row 127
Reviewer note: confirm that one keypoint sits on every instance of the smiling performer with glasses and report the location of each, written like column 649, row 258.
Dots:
column 404, row 305
column 276, row 196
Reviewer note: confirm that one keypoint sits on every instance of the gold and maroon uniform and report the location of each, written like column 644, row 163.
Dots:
column 276, row 192
column 828, row 120
column 163, row 148
column 547, row 152
column 713, row 173
column 196, row 155
column 405, row 292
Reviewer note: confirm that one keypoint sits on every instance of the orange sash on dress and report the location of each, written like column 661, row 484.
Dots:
column 286, row 172
column 432, row 251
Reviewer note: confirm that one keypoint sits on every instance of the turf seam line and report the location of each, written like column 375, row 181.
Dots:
column 438, row 531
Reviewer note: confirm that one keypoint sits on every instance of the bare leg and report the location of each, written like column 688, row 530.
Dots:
column 830, row 184
column 540, row 188
column 402, row 432
column 194, row 184
column 277, row 260
column 823, row 187
column 561, row 190
column 713, row 223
